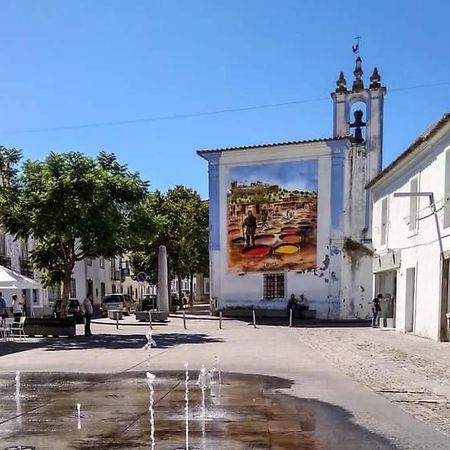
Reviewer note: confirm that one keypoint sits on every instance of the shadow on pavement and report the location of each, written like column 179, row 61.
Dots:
column 106, row 341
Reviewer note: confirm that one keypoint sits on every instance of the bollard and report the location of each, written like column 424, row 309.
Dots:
column 254, row 318
column 150, row 323
column 117, row 320
column 290, row 317
column 220, row 320
column 184, row 320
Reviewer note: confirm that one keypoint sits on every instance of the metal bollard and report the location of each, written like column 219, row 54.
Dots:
column 290, row 317
column 220, row 320
column 254, row 318
column 184, row 320
column 150, row 323
column 117, row 320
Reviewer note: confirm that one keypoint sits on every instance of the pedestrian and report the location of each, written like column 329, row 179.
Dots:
column 17, row 308
column 3, row 311
column 302, row 304
column 292, row 304
column 376, row 308
column 88, row 312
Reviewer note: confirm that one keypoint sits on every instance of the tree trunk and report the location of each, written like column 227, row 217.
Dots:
column 66, row 292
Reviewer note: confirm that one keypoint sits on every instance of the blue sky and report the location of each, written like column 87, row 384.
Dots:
column 300, row 175
column 88, row 61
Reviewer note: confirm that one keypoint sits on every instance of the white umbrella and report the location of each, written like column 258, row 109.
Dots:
column 9, row 279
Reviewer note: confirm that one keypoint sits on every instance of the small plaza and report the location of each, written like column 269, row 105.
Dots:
column 334, row 386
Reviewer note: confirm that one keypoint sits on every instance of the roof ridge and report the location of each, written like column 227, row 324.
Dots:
column 273, row 144
column 423, row 137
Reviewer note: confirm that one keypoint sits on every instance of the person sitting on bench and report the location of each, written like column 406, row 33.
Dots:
column 302, row 304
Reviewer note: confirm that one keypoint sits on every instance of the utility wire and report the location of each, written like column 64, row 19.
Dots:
column 201, row 114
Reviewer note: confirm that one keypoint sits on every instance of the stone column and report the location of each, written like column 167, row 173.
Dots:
column 163, row 290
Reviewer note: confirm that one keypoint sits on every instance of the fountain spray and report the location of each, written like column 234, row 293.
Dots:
column 186, row 403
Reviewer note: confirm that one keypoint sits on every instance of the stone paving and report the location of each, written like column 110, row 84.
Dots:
column 409, row 371
column 363, row 378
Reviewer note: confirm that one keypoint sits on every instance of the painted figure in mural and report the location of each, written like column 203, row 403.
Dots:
column 376, row 308
column 264, row 217
column 249, row 228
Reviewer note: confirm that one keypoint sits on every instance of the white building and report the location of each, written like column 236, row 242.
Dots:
column 411, row 234
column 309, row 203
column 14, row 257
column 97, row 276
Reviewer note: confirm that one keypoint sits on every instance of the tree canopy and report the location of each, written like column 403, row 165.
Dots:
column 183, row 219
column 73, row 206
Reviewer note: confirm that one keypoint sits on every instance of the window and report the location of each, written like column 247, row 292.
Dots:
column 274, row 285
column 101, row 261
column 113, row 288
column 54, row 294
column 102, row 289
column 384, row 217
column 447, row 191
column 88, row 261
column 413, row 204
column 206, row 285
column 73, row 288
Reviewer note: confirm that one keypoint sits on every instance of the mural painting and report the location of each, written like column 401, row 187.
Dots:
column 272, row 216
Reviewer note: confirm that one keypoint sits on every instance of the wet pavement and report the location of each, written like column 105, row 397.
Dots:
column 244, row 412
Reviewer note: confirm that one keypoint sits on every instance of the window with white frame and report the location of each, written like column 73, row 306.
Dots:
column 101, row 261
column 413, row 203
column 273, row 285
column 384, row 221
column 447, row 190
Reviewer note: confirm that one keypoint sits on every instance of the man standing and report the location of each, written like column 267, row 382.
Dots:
column 3, row 312
column 376, row 308
column 17, row 308
column 249, row 227
column 88, row 311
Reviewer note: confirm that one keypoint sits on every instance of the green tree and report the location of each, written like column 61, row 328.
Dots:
column 73, row 206
column 183, row 219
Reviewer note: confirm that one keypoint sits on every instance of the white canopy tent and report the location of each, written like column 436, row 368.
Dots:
column 9, row 279
column 12, row 282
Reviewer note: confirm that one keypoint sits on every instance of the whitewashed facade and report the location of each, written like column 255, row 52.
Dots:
column 411, row 234
column 98, row 276
column 340, row 286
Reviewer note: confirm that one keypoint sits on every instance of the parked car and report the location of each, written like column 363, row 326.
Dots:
column 121, row 302
column 148, row 302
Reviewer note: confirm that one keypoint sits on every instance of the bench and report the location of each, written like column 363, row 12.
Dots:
column 49, row 327
column 247, row 311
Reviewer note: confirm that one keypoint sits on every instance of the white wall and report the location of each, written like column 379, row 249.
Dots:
column 335, row 275
column 419, row 248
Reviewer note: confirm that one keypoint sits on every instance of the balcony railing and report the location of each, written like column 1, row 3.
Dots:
column 25, row 268
column 5, row 261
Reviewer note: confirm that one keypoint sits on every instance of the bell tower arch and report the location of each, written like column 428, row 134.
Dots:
column 364, row 124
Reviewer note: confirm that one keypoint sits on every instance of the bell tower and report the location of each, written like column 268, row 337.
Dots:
column 359, row 112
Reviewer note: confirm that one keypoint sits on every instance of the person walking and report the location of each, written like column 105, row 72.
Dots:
column 88, row 312
column 17, row 308
column 376, row 308
column 3, row 311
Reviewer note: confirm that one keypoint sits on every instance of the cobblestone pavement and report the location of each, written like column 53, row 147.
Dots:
column 410, row 371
